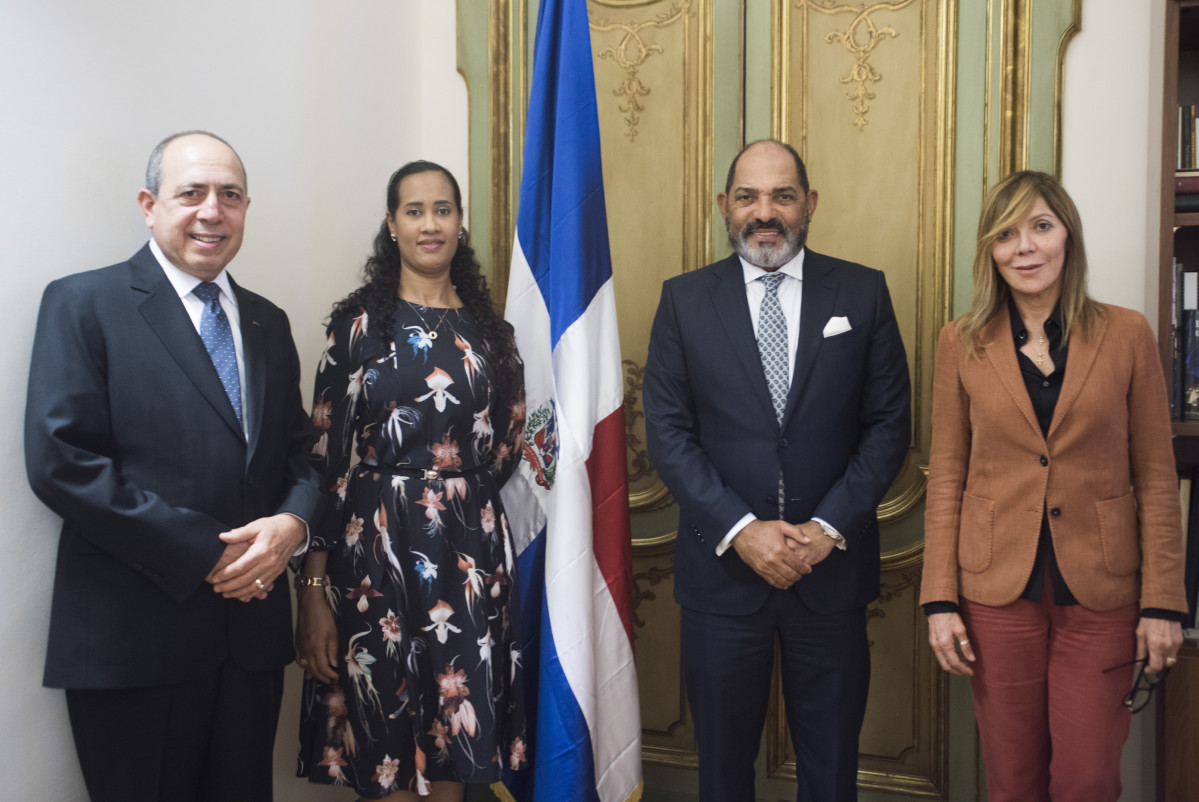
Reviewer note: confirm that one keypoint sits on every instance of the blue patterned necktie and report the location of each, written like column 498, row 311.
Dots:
column 218, row 339
column 772, row 343
column 772, row 348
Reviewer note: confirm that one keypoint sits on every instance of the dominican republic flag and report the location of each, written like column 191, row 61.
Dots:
column 567, row 504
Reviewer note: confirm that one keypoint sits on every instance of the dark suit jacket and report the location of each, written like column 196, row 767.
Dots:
column 1105, row 471
column 130, row 438
column 718, row 446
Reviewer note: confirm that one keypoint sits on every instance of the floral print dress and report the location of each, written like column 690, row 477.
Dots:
column 420, row 569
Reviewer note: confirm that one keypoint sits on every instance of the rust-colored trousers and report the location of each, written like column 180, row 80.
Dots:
column 1053, row 725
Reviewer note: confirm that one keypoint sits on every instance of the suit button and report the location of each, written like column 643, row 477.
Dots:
column 784, row 442
column 1055, row 511
column 1044, row 460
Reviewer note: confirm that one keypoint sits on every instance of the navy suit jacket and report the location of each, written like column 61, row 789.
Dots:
column 717, row 444
column 130, row 438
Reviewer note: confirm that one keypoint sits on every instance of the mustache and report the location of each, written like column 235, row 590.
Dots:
column 757, row 225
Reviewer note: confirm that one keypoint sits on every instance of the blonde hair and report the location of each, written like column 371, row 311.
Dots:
column 1006, row 204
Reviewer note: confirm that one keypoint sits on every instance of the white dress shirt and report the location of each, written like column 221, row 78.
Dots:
column 790, row 298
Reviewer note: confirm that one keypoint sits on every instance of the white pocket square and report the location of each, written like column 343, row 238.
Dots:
column 836, row 325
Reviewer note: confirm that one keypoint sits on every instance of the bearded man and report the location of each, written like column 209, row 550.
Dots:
column 778, row 413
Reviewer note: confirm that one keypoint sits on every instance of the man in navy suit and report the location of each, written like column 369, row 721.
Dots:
column 777, row 412
column 164, row 425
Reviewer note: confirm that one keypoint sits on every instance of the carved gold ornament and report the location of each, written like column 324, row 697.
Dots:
column 630, row 53
column 862, row 72
column 639, row 462
column 655, row 496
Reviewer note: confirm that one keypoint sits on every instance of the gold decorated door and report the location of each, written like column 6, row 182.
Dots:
column 904, row 110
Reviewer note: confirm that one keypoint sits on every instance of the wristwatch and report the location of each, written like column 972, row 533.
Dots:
column 834, row 534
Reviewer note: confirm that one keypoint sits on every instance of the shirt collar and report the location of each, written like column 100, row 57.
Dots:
column 1053, row 323
column 794, row 268
column 184, row 283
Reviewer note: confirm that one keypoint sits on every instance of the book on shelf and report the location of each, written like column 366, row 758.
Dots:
column 1186, row 182
column 1190, row 550
column 1176, row 355
column 1186, row 203
column 1186, row 482
column 1186, row 137
column 1189, row 343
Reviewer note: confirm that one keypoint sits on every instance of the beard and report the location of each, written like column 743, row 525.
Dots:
column 768, row 256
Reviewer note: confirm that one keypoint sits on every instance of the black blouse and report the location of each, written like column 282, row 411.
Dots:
column 1043, row 391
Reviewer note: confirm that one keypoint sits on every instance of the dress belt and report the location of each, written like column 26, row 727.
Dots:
column 420, row 473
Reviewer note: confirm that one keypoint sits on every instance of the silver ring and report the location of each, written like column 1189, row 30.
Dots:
column 261, row 586
column 963, row 643
column 302, row 661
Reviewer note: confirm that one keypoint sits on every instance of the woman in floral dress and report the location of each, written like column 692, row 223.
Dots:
column 405, row 629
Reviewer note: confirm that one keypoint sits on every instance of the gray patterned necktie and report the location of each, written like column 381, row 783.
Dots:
column 218, row 339
column 772, row 343
column 772, row 348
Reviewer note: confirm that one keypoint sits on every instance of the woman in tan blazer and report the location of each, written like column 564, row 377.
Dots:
column 1053, row 530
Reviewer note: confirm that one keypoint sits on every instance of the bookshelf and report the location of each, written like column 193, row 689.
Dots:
column 1178, row 738
column 1177, row 726
column 1179, row 231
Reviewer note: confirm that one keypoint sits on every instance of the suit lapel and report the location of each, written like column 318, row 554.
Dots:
column 1001, row 354
column 1079, row 361
column 164, row 313
column 254, row 355
column 728, row 297
column 816, row 307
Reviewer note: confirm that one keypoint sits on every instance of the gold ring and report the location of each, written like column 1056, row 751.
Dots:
column 261, row 586
column 1171, row 661
column 302, row 661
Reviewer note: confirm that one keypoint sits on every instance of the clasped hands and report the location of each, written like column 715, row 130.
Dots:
column 255, row 555
column 782, row 553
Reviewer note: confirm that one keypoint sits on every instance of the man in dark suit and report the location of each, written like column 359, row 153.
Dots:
column 777, row 412
column 164, row 425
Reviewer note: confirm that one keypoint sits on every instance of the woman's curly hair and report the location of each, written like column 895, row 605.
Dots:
column 379, row 294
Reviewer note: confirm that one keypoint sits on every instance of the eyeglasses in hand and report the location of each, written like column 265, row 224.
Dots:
column 1143, row 686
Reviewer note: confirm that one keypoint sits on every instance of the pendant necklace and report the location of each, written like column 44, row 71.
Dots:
column 1040, row 353
column 433, row 331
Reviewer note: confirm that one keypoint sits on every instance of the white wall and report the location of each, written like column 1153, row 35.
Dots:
column 1111, row 153
column 1111, row 157
column 323, row 100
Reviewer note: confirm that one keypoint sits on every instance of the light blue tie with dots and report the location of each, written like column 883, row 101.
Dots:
column 772, row 348
column 218, row 339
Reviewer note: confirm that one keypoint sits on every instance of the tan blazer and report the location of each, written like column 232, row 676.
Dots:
column 1105, row 472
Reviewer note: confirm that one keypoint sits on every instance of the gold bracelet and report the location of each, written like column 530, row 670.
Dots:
column 311, row 581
